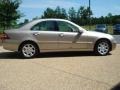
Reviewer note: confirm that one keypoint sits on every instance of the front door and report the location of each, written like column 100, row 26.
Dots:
column 69, row 37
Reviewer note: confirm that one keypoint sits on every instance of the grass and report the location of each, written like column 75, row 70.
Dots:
column 89, row 27
column 110, row 28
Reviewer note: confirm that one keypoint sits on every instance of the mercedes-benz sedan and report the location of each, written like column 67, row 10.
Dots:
column 52, row 35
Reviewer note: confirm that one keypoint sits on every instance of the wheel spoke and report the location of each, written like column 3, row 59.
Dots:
column 103, row 48
column 28, row 50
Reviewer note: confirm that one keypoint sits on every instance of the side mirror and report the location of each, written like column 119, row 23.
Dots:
column 80, row 31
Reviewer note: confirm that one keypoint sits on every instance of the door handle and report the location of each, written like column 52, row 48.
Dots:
column 36, row 34
column 61, row 35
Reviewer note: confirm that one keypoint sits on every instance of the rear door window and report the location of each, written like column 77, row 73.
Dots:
column 45, row 26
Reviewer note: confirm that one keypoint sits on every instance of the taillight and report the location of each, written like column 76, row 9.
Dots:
column 4, row 36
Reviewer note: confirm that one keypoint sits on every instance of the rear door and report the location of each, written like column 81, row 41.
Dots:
column 46, row 34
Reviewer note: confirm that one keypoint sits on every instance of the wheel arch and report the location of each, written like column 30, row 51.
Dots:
column 28, row 41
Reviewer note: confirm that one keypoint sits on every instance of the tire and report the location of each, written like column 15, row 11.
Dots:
column 102, row 47
column 29, row 50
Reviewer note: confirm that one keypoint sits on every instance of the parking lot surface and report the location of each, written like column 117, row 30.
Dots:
column 60, row 71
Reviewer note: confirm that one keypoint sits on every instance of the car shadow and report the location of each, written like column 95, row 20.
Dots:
column 117, row 87
column 16, row 55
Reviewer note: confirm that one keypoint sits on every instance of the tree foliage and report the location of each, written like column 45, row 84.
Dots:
column 9, row 13
column 72, row 14
column 57, row 13
column 80, row 16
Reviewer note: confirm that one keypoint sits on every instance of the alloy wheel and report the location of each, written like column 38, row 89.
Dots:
column 103, row 48
column 28, row 50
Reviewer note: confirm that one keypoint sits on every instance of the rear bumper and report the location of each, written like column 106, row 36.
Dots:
column 10, row 45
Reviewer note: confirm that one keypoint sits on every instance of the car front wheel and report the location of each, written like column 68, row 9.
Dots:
column 28, row 50
column 102, row 47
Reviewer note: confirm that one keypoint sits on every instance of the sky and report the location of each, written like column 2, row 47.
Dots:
column 33, row 8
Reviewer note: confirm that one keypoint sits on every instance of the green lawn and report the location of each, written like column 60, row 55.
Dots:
column 110, row 28
column 89, row 27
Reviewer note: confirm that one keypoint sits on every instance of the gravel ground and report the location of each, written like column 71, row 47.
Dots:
column 60, row 71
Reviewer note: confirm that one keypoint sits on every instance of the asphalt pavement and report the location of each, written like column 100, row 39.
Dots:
column 117, row 38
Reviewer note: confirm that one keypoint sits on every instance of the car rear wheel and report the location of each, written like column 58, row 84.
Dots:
column 29, row 50
column 102, row 47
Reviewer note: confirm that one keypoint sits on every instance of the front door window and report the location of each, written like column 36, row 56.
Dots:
column 66, row 27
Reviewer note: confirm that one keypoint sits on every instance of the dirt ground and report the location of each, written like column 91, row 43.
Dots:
column 60, row 71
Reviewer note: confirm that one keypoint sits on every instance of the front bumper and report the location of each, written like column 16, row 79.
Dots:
column 114, row 46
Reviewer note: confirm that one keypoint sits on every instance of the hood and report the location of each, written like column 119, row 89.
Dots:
column 99, row 34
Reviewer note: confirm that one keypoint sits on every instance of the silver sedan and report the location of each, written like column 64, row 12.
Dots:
column 52, row 35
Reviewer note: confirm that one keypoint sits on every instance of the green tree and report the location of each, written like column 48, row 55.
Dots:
column 64, row 13
column 80, row 12
column 72, row 14
column 58, row 13
column 26, row 21
column 80, row 19
column 83, row 15
column 23, row 23
column 9, row 13
column 49, row 13
column 35, row 18
column 109, row 18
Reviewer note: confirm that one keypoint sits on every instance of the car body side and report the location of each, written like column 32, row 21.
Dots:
column 87, row 42
column 47, row 41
